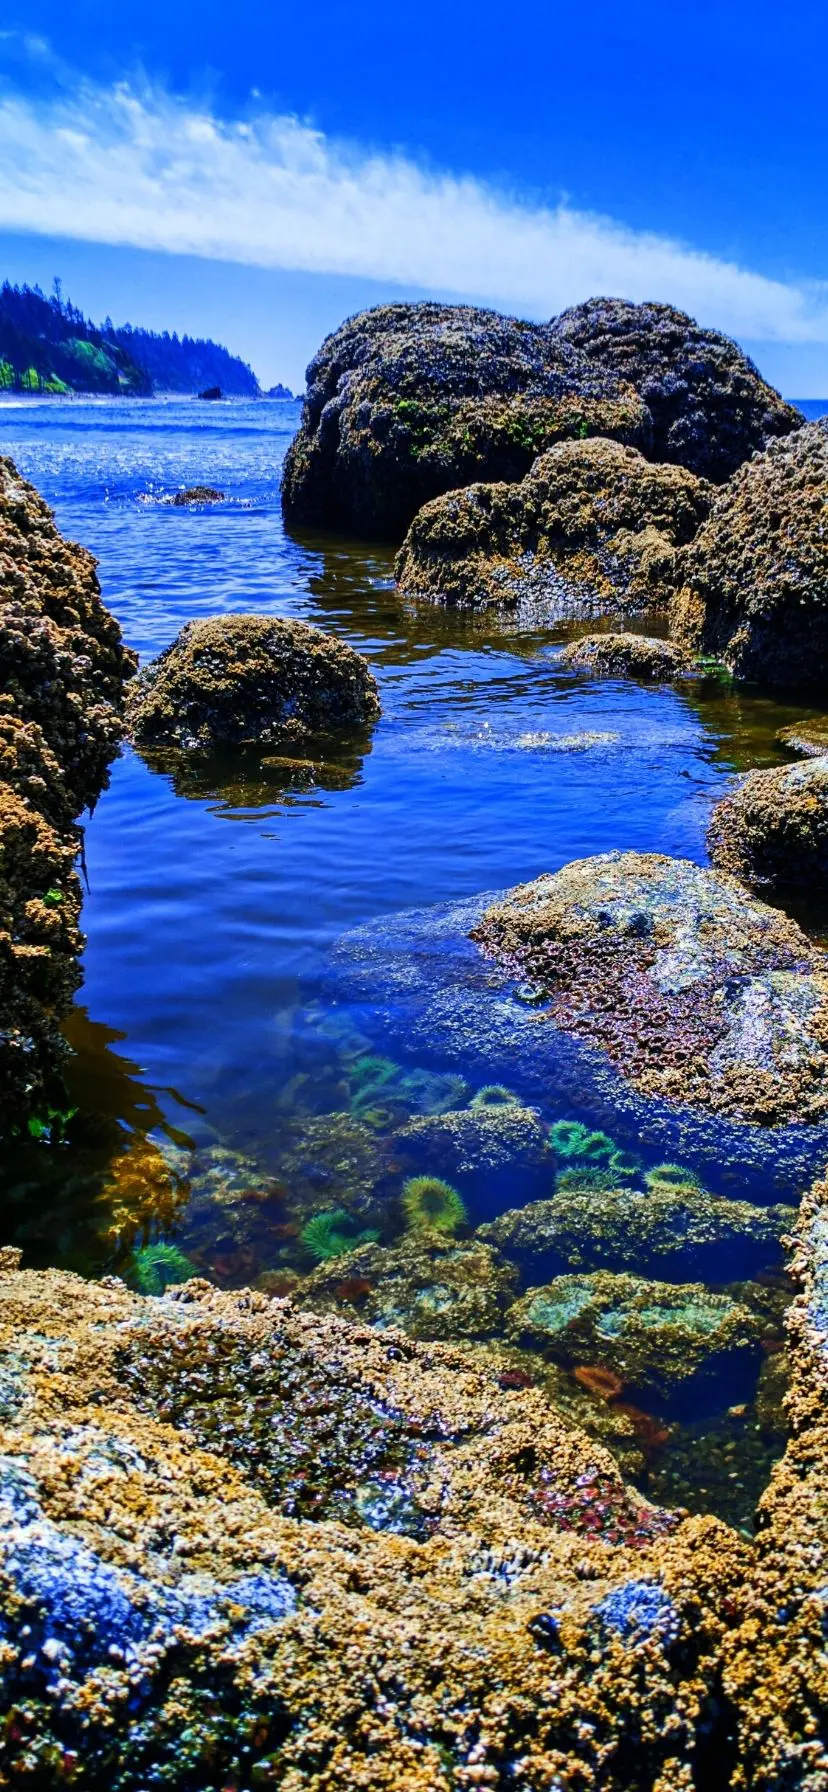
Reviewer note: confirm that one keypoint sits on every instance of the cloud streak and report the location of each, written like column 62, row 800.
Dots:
column 134, row 166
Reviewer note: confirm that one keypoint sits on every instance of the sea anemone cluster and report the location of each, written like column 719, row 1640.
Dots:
column 591, row 1158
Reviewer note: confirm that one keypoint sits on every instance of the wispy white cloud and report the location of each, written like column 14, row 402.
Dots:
column 131, row 165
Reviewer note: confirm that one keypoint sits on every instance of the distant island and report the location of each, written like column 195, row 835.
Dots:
column 47, row 345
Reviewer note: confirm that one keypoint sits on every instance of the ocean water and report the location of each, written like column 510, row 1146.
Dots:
column 209, row 1022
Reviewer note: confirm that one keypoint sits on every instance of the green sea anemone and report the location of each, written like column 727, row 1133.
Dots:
column 431, row 1205
column 370, row 1072
column 494, row 1095
column 154, row 1267
column 331, row 1234
column 587, row 1177
column 569, row 1138
column 671, row 1176
column 432, row 1091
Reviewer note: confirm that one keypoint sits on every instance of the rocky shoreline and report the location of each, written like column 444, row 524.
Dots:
column 370, row 1521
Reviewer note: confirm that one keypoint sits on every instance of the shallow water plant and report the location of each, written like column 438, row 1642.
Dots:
column 432, row 1205
column 154, row 1267
column 328, row 1235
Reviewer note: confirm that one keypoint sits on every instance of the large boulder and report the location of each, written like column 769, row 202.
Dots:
column 226, row 680
column 754, row 588
column 710, row 407
column 772, row 831
column 63, row 668
column 695, row 991
column 592, row 528
column 407, row 401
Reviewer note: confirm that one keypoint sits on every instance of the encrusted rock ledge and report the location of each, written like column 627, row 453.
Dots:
column 244, row 1545
column 63, row 668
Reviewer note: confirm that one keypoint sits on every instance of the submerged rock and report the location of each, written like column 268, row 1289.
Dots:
column 697, row 992
column 226, row 680
column 754, row 583
column 647, row 1333
column 407, row 401
column 198, row 494
column 466, row 1141
column 627, row 656
column 598, row 1228
column 429, row 1287
column 807, row 739
column 773, row 830
column 710, row 407
column 592, row 528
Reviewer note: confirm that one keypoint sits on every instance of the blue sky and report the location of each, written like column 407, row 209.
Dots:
column 257, row 173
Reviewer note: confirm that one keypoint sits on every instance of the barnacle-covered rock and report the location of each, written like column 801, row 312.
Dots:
column 407, row 401
column 466, row 1141
column 698, row 993
column 772, row 830
column 625, row 1227
column 226, row 1524
column 649, row 1333
column 226, row 680
column 62, row 672
column 754, row 582
column 809, row 740
column 62, row 661
column 429, row 1287
column 627, row 656
column 710, row 407
column 592, row 529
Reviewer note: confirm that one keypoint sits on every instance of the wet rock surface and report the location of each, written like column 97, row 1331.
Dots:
column 710, row 407
column 63, row 668
column 772, row 831
column 648, row 1333
column 754, row 587
column 226, row 1524
column 407, row 401
column 697, row 992
column 627, row 656
column 428, row 1287
column 597, row 1227
column 226, row 680
column 809, row 740
column 592, row 528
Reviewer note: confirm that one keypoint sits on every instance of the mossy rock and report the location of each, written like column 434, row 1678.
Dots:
column 227, row 680
column 710, row 407
column 407, row 401
column 647, row 1333
column 753, row 586
column 627, row 656
column 772, row 831
column 592, row 528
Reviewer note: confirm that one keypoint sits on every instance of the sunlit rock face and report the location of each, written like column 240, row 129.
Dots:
column 592, row 529
column 754, row 582
column 710, row 407
column 407, row 401
column 695, row 991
